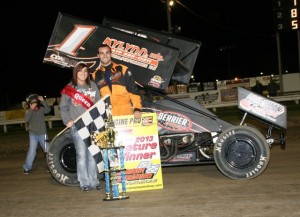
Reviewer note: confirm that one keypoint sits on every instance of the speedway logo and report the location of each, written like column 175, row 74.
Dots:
column 173, row 121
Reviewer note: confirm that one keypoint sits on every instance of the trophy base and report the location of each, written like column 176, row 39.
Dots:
column 116, row 198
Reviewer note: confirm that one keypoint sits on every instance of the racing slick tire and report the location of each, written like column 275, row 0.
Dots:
column 61, row 159
column 241, row 152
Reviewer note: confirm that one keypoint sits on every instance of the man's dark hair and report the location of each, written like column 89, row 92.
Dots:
column 104, row 45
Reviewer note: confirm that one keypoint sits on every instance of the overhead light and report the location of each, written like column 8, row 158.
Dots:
column 171, row 3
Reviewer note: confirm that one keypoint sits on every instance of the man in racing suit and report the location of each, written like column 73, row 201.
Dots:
column 117, row 81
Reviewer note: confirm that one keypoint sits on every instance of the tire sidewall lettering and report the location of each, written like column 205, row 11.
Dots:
column 233, row 164
column 223, row 139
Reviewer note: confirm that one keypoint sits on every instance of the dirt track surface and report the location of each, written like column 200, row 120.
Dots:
column 192, row 191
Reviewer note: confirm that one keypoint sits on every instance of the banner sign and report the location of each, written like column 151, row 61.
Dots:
column 76, row 40
column 229, row 95
column 207, row 97
column 141, row 152
column 203, row 97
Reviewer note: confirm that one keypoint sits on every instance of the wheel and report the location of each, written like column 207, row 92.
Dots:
column 241, row 152
column 61, row 159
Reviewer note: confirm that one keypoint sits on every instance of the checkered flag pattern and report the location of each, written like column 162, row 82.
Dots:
column 93, row 121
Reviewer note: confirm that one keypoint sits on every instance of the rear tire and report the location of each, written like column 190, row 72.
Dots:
column 241, row 152
column 61, row 159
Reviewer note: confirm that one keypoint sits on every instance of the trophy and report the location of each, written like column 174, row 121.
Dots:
column 113, row 158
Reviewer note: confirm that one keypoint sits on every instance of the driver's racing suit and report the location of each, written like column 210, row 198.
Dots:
column 124, row 94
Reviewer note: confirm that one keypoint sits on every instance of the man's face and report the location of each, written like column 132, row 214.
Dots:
column 105, row 55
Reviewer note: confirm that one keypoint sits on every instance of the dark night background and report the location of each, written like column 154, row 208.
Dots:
column 245, row 31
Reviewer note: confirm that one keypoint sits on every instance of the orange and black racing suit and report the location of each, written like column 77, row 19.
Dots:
column 124, row 94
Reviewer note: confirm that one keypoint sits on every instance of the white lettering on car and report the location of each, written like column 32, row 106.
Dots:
column 258, row 167
column 62, row 178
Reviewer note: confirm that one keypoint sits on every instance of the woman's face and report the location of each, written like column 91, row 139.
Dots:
column 82, row 74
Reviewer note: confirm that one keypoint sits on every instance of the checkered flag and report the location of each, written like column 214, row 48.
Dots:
column 90, row 121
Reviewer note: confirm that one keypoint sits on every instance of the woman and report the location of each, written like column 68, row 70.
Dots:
column 78, row 96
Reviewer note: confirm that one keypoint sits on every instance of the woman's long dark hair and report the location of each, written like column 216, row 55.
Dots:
column 76, row 69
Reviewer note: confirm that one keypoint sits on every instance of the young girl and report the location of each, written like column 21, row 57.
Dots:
column 80, row 94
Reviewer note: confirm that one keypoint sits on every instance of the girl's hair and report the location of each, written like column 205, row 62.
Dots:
column 76, row 69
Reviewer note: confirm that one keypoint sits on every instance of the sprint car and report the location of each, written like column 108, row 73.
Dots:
column 190, row 134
